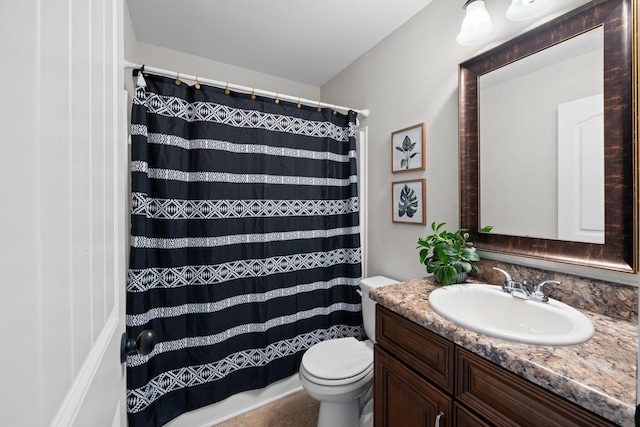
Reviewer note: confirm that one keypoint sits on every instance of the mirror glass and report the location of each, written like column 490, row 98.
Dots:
column 572, row 202
column 542, row 143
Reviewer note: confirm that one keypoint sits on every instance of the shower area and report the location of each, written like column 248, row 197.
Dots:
column 245, row 241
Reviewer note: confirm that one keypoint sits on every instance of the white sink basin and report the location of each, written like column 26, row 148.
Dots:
column 488, row 310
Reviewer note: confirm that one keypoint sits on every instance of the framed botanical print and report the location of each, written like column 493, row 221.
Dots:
column 407, row 149
column 408, row 201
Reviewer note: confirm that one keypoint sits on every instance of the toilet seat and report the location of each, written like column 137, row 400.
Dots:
column 338, row 361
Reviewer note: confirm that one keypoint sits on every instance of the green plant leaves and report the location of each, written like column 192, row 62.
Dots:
column 446, row 275
column 469, row 254
column 423, row 254
column 445, row 254
column 408, row 203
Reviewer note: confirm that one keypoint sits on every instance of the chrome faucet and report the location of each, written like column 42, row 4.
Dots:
column 509, row 285
column 520, row 290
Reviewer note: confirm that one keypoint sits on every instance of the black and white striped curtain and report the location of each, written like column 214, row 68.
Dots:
column 245, row 246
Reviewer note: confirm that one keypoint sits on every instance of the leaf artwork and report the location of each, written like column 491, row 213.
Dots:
column 406, row 148
column 408, row 203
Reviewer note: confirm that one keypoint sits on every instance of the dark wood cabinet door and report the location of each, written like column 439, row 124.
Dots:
column 427, row 353
column 463, row 418
column 404, row 399
column 504, row 399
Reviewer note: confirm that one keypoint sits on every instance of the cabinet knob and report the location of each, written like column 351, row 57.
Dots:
column 143, row 344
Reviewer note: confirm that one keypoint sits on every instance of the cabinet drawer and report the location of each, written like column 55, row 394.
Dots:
column 427, row 353
column 505, row 399
column 402, row 398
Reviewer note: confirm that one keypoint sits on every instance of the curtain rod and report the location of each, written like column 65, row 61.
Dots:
column 245, row 89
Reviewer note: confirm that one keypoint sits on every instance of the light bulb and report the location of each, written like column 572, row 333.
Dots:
column 476, row 26
column 519, row 10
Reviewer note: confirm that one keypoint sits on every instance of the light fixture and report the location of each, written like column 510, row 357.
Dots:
column 527, row 9
column 476, row 26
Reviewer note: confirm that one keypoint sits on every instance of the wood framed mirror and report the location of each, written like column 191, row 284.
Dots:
column 617, row 250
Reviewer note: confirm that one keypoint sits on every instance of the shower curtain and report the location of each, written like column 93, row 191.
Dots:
column 245, row 246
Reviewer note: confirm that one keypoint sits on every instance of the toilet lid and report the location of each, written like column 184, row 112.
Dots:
column 338, row 358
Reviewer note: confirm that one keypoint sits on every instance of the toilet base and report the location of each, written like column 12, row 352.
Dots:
column 339, row 405
column 339, row 414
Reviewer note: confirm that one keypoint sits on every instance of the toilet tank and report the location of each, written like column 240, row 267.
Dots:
column 368, row 305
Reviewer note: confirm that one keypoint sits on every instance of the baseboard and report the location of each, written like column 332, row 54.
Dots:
column 73, row 402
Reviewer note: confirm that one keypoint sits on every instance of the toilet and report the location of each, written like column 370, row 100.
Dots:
column 339, row 372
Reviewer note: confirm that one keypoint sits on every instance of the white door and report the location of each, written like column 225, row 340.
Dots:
column 581, row 176
column 63, row 213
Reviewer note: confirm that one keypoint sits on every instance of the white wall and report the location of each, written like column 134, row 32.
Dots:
column 172, row 60
column 168, row 59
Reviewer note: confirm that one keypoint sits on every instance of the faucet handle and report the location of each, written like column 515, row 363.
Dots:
column 538, row 295
column 538, row 287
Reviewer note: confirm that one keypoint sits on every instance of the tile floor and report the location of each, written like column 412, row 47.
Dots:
column 296, row 410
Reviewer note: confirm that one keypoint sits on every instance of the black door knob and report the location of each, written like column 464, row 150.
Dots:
column 143, row 344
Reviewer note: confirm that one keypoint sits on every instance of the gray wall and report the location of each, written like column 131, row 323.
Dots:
column 409, row 78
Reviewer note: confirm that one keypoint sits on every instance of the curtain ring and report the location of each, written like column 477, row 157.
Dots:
column 178, row 82
column 253, row 93
column 277, row 101
column 299, row 104
column 334, row 110
column 197, row 83
column 319, row 108
column 226, row 89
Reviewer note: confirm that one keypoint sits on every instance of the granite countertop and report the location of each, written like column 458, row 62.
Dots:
column 599, row 375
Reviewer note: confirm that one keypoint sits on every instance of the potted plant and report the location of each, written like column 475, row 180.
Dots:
column 449, row 256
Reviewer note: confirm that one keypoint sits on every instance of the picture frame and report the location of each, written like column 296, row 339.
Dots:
column 408, row 148
column 408, row 201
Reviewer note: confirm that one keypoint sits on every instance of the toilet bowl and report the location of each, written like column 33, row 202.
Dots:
column 339, row 372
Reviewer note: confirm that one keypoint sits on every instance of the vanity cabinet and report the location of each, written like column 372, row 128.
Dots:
column 421, row 377
column 402, row 397
column 406, row 399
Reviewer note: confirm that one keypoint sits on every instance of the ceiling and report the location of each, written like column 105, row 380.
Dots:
column 304, row 41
